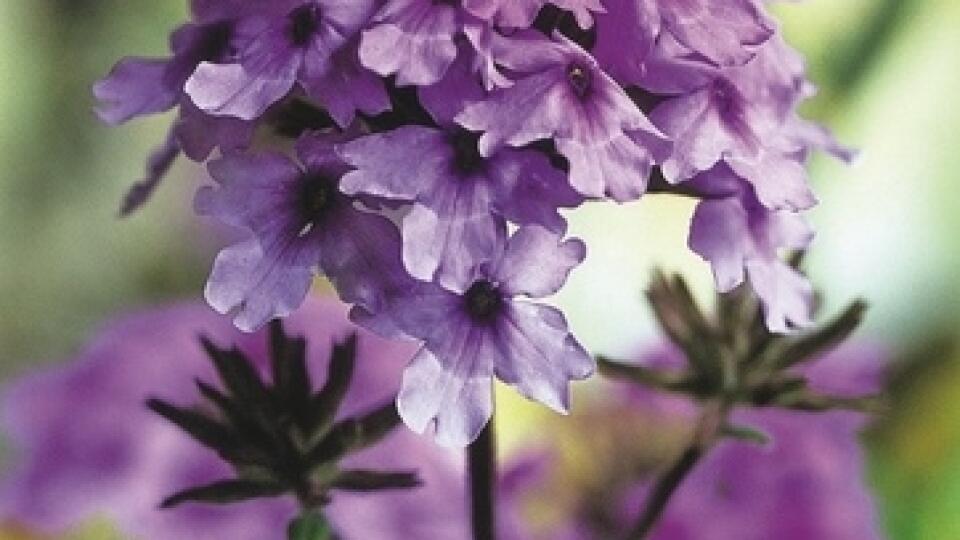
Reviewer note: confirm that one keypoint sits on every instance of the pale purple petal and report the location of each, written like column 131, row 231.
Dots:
column 447, row 243
column 627, row 25
column 726, row 33
column 254, row 191
column 739, row 237
column 719, row 233
column 454, row 395
column 361, row 256
column 256, row 285
column 134, row 87
column 528, row 190
column 459, row 87
column 779, row 178
column 413, row 40
column 786, row 295
column 539, row 356
column 536, row 262
column 243, row 91
column 399, row 164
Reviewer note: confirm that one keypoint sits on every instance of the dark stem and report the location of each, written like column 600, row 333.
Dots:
column 708, row 430
column 664, row 490
column 482, row 457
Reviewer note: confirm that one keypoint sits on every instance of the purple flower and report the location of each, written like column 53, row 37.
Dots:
column 561, row 93
column 300, row 222
column 480, row 327
column 413, row 39
column 87, row 448
column 460, row 197
column 313, row 44
column 721, row 33
column 142, row 86
column 719, row 113
column 740, row 237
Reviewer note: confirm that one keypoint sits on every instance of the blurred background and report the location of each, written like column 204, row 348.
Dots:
column 887, row 227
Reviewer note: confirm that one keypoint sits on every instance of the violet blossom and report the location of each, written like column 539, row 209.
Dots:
column 312, row 43
column 480, row 327
column 459, row 197
column 561, row 93
column 300, row 223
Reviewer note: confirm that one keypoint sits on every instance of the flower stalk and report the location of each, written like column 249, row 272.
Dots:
column 482, row 464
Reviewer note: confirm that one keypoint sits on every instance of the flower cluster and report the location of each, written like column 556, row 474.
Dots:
column 437, row 142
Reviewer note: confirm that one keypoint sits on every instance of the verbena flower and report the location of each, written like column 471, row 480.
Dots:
column 300, row 223
column 312, row 43
column 480, row 327
column 560, row 93
column 428, row 129
column 460, row 198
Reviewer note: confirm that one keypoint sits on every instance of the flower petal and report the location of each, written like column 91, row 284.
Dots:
column 452, row 392
column 257, row 286
column 536, row 262
column 539, row 356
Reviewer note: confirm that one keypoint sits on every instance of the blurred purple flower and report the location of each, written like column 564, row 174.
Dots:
column 87, row 448
column 807, row 483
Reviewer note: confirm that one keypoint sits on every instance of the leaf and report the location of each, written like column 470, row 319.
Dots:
column 238, row 376
column 288, row 363
column 684, row 323
column 810, row 401
column 670, row 381
column 745, row 433
column 367, row 480
column 354, row 434
column 823, row 339
column 327, row 401
column 225, row 491
column 205, row 430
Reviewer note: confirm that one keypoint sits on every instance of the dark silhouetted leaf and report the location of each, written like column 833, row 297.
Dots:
column 366, row 480
column 225, row 491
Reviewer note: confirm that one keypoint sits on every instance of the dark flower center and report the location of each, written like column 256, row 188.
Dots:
column 580, row 79
column 466, row 153
column 304, row 22
column 214, row 44
column 483, row 301
column 318, row 196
